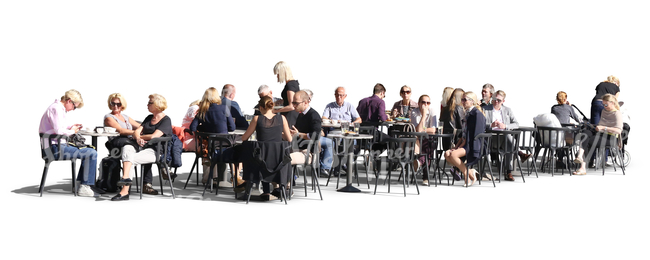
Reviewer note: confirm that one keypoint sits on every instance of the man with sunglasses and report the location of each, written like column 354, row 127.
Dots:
column 308, row 123
column 500, row 117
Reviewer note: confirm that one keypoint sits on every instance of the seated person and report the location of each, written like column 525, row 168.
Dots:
column 500, row 117
column 403, row 107
column 610, row 124
column 424, row 119
column 563, row 109
column 183, row 132
column 228, row 98
column 155, row 125
column 214, row 117
column 265, row 91
column 122, row 123
column 468, row 146
column 308, row 123
column 54, row 122
column 340, row 110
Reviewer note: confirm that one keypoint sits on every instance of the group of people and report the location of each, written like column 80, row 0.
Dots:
column 291, row 118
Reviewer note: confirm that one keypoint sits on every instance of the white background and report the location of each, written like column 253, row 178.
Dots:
column 180, row 48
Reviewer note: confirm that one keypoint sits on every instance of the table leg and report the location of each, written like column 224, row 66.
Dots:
column 349, row 151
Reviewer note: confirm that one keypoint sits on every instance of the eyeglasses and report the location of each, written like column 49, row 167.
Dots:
column 116, row 104
column 497, row 100
column 295, row 103
column 73, row 105
column 149, row 103
column 463, row 99
column 339, row 95
column 426, row 102
column 406, row 92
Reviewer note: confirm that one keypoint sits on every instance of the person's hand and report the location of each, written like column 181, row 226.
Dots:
column 141, row 142
column 293, row 130
column 498, row 124
column 600, row 128
column 567, row 102
column 75, row 128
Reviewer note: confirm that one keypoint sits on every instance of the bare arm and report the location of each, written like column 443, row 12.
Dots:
column 250, row 130
column 286, row 133
column 289, row 107
column 109, row 121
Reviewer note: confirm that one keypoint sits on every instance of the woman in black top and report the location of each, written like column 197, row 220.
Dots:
column 284, row 74
column 270, row 127
column 609, row 86
column 155, row 125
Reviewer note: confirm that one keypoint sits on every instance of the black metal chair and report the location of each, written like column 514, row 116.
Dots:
column 312, row 161
column 606, row 142
column 259, row 166
column 49, row 157
column 216, row 142
column 160, row 145
column 506, row 144
column 527, row 143
column 483, row 159
column 420, row 136
column 552, row 139
column 400, row 151
column 435, row 158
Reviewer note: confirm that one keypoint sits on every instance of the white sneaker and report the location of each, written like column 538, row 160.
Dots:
column 85, row 191
column 608, row 163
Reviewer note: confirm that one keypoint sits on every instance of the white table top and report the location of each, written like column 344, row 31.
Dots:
column 359, row 136
column 83, row 132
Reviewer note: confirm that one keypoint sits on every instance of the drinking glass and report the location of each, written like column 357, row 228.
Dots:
column 345, row 127
column 356, row 127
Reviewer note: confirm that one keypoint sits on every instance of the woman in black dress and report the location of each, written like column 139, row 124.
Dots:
column 284, row 74
column 609, row 86
column 270, row 127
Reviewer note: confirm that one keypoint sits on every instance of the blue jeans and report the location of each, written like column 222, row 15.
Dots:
column 326, row 146
column 88, row 158
column 596, row 109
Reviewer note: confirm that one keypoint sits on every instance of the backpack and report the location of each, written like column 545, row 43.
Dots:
column 109, row 171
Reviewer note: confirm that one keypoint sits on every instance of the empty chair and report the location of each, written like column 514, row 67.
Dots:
column 400, row 151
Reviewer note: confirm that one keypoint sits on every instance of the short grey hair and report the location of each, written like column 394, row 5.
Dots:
column 309, row 92
column 489, row 87
column 227, row 90
column 263, row 89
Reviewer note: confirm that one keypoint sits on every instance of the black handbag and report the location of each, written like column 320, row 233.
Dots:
column 116, row 144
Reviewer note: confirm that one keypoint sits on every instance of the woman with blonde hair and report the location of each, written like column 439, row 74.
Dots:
column 451, row 115
column 54, row 122
column 407, row 103
column 157, row 124
column 610, row 124
column 213, row 117
column 283, row 72
column 446, row 93
column 122, row 123
column 468, row 146
column 609, row 86
column 563, row 110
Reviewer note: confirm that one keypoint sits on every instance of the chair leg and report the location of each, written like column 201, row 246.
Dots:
column 416, row 182
column 196, row 162
column 74, row 178
column 44, row 176
column 141, row 180
column 376, row 170
column 249, row 185
column 210, row 180
column 404, row 172
column 171, row 183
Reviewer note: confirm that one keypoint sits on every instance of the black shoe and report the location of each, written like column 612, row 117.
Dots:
column 277, row 192
column 324, row 173
column 97, row 190
column 119, row 197
column 166, row 177
column 123, row 182
column 240, row 188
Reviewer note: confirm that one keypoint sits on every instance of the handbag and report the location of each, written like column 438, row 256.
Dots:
column 77, row 140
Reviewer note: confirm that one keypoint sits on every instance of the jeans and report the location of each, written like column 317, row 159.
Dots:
column 88, row 158
column 596, row 109
column 327, row 157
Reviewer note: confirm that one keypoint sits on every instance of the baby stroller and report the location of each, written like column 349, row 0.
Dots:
column 627, row 158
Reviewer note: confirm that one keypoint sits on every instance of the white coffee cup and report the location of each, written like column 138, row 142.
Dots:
column 99, row 130
column 109, row 129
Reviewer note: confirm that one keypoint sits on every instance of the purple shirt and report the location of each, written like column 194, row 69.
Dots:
column 53, row 121
column 372, row 109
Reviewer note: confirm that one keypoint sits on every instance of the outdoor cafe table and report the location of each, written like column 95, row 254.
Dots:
column 94, row 136
column 348, row 141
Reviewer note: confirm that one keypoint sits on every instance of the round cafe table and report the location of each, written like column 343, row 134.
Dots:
column 348, row 142
column 94, row 136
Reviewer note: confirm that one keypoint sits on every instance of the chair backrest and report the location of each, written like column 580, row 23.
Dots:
column 218, row 142
column 527, row 138
column 551, row 137
column 501, row 144
column 159, row 145
column 485, row 140
column 401, row 149
column 266, row 159
column 46, row 153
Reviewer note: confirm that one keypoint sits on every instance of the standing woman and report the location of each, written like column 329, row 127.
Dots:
column 445, row 117
column 155, row 125
column 609, row 86
column 468, row 146
column 284, row 74
column 54, row 122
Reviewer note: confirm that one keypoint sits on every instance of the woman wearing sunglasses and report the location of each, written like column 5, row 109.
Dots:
column 122, row 123
column 424, row 119
column 401, row 108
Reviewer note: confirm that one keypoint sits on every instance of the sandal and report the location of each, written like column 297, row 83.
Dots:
column 578, row 160
column 580, row 173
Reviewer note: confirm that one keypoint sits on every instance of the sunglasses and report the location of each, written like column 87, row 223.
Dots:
column 406, row 92
column 295, row 103
column 464, row 99
column 497, row 100
column 149, row 103
column 426, row 102
column 116, row 104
